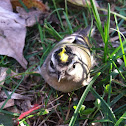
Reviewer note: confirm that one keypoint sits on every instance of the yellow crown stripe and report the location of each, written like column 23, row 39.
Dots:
column 86, row 39
column 63, row 55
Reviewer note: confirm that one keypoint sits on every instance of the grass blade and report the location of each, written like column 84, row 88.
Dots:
column 66, row 9
column 74, row 117
column 24, row 6
column 118, row 48
column 117, row 98
column 114, row 13
column 106, row 28
column 97, row 18
column 58, row 14
column 120, row 119
column 85, row 19
column 9, row 113
column 68, row 23
column 120, row 39
column 41, row 36
column 9, row 97
column 105, row 107
column 53, row 32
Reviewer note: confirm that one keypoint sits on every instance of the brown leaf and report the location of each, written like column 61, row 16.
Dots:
column 30, row 4
column 2, row 76
column 30, row 17
column 6, row 4
column 9, row 103
column 14, row 95
column 35, row 15
column 12, row 35
column 13, row 109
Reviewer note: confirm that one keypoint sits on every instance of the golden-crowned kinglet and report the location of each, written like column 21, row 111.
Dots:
column 67, row 67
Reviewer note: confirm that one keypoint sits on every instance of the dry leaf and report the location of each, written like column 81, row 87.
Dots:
column 2, row 75
column 12, row 35
column 30, row 4
column 30, row 17
column 14, row 95
column 9, row 103
column 35, row 15
column 37, row 12
column 13, row 109
column 82, row 3
column 6, row 4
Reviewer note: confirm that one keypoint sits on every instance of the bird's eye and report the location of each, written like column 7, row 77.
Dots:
column 74, row 65
column 51, row 64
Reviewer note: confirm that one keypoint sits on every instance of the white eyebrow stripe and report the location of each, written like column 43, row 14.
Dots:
column 70, row 38
column 53, row 59
column 80, row 39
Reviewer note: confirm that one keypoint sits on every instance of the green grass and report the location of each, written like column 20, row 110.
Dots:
column 109, row 76
column 74, row 117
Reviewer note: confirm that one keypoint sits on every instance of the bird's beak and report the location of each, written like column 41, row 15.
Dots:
column 60, row 75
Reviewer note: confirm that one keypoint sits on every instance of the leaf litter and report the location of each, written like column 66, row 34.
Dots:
column 12, row 35
column 22, row 103
column 12, row 40
column 2, row 76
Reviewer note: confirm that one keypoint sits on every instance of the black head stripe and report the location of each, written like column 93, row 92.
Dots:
column 67, row 52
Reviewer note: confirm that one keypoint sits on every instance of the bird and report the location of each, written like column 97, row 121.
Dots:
column 67, row 67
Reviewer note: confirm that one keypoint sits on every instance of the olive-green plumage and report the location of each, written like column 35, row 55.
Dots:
column 67, row 67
